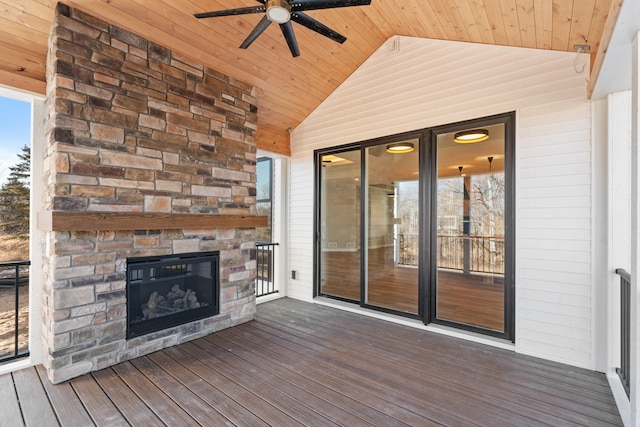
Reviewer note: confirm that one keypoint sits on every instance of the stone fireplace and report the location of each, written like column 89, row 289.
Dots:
column 149, row 155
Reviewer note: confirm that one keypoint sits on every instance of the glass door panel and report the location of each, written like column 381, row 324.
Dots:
column 340, row 225
column 392, row 202
column 470, row 229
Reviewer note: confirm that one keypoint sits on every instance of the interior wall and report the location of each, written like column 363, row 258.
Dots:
column 412, row 83
column 342, row 226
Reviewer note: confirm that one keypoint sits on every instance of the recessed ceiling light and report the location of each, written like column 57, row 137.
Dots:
column 471, row 136
column 400, row 147
column 332, row 160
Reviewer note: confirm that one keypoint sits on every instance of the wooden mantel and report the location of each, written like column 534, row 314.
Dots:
column 121, row 221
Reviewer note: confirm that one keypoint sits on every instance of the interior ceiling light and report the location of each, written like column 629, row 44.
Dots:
column 331, row 160
column 400, row 147
column 471, row 136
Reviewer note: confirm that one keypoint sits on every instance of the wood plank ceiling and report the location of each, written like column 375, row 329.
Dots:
column 290, row 88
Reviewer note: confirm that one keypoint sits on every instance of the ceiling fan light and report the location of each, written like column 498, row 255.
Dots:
column 471, row 136
column 400, row 147
column 278, row 11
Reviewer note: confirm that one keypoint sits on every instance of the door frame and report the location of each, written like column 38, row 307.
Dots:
column 427, row 268
column 317, row 214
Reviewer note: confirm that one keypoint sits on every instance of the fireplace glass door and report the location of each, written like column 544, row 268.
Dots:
column 163, row 292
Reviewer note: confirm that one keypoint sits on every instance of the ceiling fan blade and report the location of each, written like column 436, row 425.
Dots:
column 290, row 37
column 231, row 12
column 318, row 27
column 299, row 5
column 257, row 30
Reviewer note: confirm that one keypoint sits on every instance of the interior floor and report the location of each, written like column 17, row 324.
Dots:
column 472, row 299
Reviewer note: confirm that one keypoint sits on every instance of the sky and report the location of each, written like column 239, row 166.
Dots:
column 15, row 132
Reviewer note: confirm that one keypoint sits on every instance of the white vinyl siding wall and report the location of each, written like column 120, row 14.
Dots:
column 411, row 84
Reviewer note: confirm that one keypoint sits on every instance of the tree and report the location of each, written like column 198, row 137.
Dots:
column 14, row 197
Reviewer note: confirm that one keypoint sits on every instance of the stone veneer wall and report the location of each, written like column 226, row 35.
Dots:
column 134, row 127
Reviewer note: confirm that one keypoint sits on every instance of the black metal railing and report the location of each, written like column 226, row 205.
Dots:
column 408, row 254
column 265, row 258
column 14, row 310
column 450, row 251
column 486, row 253
column 624, row 371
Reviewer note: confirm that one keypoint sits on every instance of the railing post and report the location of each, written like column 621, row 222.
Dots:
column 16, row 311
column 466, row 254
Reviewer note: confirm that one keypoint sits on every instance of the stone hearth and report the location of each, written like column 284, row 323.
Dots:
column 136, row 128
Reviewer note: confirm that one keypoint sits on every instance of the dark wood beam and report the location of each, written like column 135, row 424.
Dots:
column 120, row 221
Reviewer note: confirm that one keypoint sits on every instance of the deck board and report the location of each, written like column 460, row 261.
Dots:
column 190, row 402
column 98, row 405
column 321, row 407
column 381, row 362
column 153, row 396
column 323, row 399
column 364, row 389
column 470, row 376
column 287, row 403
column 10, row 415
column 34, row 403
column 313, row 381
column 460, row 354
column 306, row 364
column 215, row 398
column 262, row 409
column 134, row 410
column 65, row 402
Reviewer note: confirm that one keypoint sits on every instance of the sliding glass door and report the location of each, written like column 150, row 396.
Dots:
column 392, row 225
column 340, row 243
column 369, row 227
column 470, row 227
column 421, row 224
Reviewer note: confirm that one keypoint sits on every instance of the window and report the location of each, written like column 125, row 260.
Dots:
column 264, row 196
column 15, row 212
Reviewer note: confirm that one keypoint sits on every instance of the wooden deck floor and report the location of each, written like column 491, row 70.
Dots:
column 304, row 364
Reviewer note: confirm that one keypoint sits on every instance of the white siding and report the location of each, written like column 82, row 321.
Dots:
column 428, row 83
column 617, row 120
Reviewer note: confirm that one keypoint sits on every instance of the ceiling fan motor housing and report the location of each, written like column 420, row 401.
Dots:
column 278, row 11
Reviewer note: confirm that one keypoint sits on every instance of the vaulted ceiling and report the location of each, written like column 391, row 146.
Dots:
column 289, row 89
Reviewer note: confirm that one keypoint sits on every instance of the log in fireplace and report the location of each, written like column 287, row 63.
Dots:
column 167, row 291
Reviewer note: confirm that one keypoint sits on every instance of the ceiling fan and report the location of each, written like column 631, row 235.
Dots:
column 285, row 11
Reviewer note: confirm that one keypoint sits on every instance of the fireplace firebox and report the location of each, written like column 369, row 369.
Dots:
column 170, row 290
